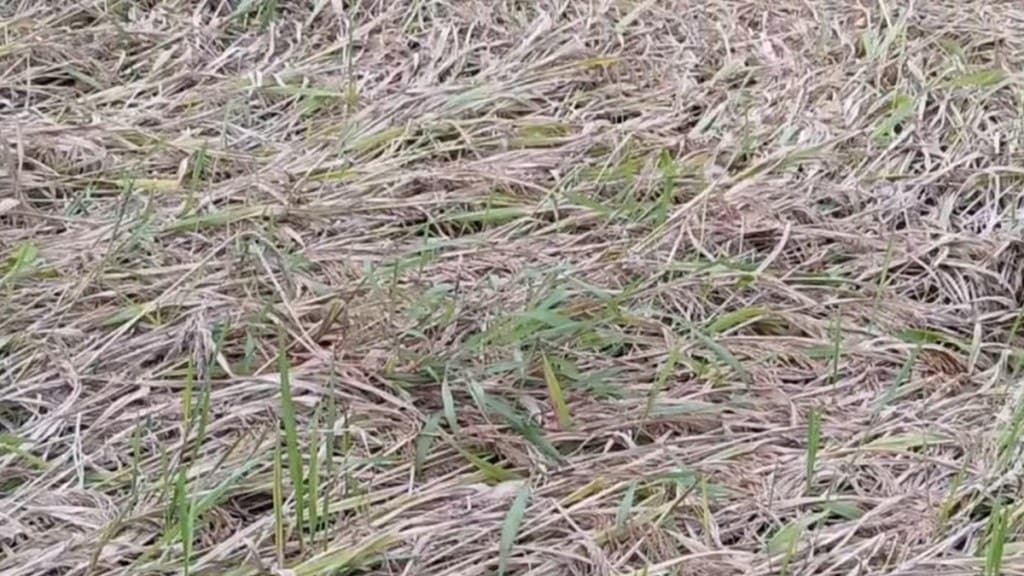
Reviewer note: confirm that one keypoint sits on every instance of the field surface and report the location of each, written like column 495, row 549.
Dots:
column 428, row 287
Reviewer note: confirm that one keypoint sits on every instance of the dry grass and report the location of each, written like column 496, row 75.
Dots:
column 556, row 287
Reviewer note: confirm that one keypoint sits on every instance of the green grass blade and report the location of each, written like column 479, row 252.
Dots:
column 626, row 506
column 666, row 371
column 901, row 378
column 788, row 537
column 837, row 349
column 185, row 526
column 313, row 487
column 291, row 433
column 510, row 529
column 980, row 79
column 813, row 442
column 557, row 395
column 12, row 445
column 733, row 319
column 332, row 419
column 20, row 264
column 203, row 415
column 448, row 405
column 216, row 496
column 277, row 497
column 726, row 357
column 424, row 442
column 844, row 510
column 901, row 109
column 186, row 399
column 997, row 528
column 906, row 442
column 492, row 473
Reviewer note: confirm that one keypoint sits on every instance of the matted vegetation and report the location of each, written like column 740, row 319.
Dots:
column 557, row 287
